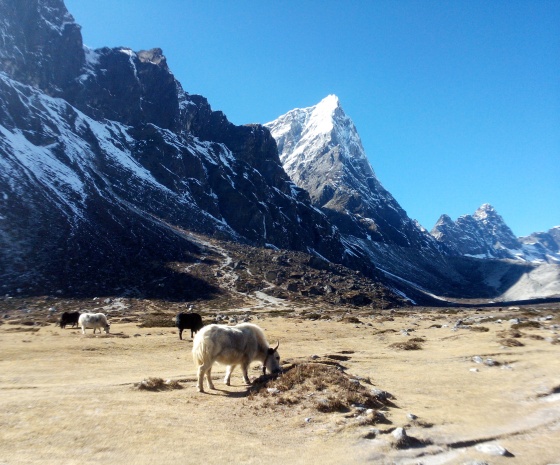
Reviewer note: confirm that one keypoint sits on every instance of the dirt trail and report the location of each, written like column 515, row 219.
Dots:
column 70, row 399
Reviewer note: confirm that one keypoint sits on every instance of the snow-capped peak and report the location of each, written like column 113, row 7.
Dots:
column 321, row 119
column 303, row 134
column 484, row 210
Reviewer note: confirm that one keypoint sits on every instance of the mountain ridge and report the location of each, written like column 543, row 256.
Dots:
column 313, row 146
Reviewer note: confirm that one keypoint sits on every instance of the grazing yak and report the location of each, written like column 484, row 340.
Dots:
column 232, row 346
column 93, row 320
column 69, row 317
column 192, row 321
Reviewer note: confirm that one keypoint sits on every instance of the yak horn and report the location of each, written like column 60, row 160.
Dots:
column 276, row 348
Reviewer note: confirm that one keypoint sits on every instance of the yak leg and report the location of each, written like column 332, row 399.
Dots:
column 245, row 375
column 204, row 370
column 209, row 378
column 181, row 334
column 227, row 379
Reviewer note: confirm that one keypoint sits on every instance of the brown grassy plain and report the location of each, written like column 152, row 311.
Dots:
column 66, row 398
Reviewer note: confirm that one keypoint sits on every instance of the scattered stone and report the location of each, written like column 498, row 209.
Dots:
column 273, row 390
column 411, row 416
column 400, row 436
column 381, row 395
column 474, row 370
column 477, row 359
column 401, row 440
column 492, row 449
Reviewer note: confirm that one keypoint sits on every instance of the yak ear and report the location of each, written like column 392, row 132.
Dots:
column 270, row 351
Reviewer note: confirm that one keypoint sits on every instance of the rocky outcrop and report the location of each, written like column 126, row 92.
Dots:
column 40, row 44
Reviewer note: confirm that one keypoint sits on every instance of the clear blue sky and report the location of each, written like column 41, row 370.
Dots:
column 457, row 102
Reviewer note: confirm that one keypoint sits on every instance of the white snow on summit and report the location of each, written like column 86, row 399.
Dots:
column 303, row 132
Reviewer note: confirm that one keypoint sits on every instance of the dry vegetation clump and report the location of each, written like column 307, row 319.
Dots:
column 315, row 386
column 383, row 331
column 310, row 316
column 480, row 329
column 158, row 321
column 351, row 319
column 414, row 343
column 527, row 325
column 157, row 384
column 510, row 333
column 511, row 342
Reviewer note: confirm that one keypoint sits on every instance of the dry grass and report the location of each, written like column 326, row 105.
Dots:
column 317, row 386
column 157, row 384
column 351, row 319
column 480, row 329
column 50, row 376
column 158, row 321
column 407, row 345
column 527, row 325
column 511, row 342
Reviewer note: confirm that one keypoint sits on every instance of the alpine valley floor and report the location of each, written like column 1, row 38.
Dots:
column 472, row 383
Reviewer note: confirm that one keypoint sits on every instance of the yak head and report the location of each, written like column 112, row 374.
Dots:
column 272, row 360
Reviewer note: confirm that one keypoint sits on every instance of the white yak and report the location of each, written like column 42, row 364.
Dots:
column 232, row 346
column 93, row 320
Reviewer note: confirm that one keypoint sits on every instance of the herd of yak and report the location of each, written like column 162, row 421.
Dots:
column 228, row 345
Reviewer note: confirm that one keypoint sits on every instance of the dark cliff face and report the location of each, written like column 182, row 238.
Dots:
column 97, row 184
column 41, row 45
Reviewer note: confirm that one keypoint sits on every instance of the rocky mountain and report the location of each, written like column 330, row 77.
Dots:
column 542, row 244
column 322, row 153
column 486, row 235
column 110, row 172
column 105, row 161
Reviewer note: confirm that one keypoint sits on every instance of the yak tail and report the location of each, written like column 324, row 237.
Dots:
column 202, row 350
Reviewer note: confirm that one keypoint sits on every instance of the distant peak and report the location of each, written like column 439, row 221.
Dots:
column 484, row 210
column 330, row 101
column 486, row 207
